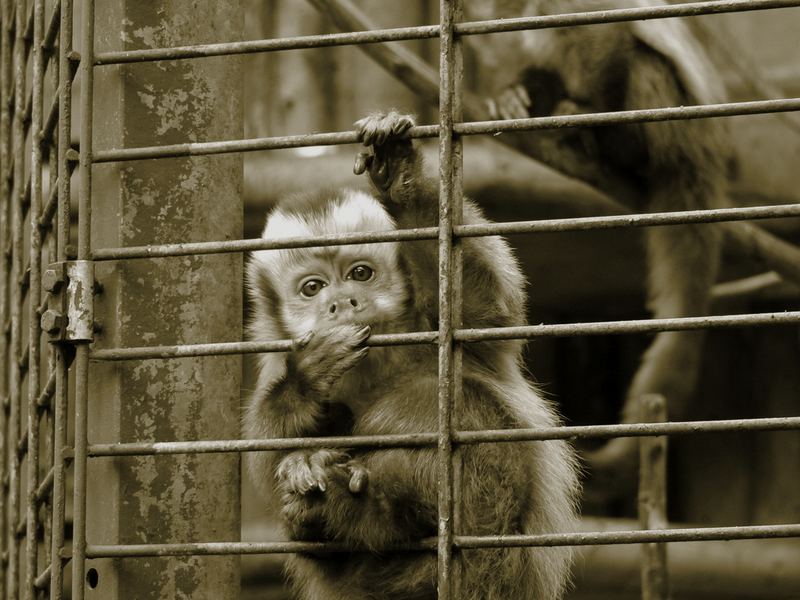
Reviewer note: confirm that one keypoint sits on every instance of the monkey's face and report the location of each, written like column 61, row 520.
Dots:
column 316, row 288
column 342, row 285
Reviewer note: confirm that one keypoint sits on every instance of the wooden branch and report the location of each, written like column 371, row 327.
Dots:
column 407, row 67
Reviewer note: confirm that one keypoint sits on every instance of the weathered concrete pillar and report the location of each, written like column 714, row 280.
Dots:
column 183, row 498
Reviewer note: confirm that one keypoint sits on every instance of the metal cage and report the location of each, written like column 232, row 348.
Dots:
column 45, row 439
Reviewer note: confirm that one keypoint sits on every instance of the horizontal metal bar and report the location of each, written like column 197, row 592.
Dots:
column 46, row 395
column 45, row 486
column 251, row 145
column 269, row 45
column 53, row 28
column 598, row 538
column 468, row 128
column 681, row 217
column 230, row 548
column 618, row 15
column 432, row 31
column 465, row 335
column 226, row 348
column 473, row 230
column 250, row 245
column 644, row 536
column 627, row 327
column 28, row 32
column 626, row 117
column 585, row 432
column 43, row 580
column 49, row 210
column 462, row 437
column 412, row 440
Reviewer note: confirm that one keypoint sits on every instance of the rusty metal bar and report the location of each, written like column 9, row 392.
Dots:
column 467, row 335
column 6, row 102
column 82, row 349
column 61, row 232
column 415, row 440
column 677, row 113
column 689, row 534
column 692, row 534
column 460, row 231
column 432, row 31
column 449, row 191
column 34, row 299
column 18, row 191
column 44, row 493
column 652, row 501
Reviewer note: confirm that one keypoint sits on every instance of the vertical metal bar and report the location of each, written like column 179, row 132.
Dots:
column 49, row 233
column 34, row 299
column 449, row 202
column 18, row 192
column 5, row 278
column 61, row 231
column 653, row 498
column 82, row 350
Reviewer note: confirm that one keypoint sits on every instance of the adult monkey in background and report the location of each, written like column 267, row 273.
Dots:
column 674, row 165
column 329, row 300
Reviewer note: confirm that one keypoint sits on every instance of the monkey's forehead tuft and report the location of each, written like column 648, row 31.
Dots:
column 324, row 213
column 327, row 212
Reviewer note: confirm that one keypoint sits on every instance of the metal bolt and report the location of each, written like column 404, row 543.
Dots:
column 52, row 280
column 51, row 321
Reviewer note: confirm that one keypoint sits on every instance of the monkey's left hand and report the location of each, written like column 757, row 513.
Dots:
column 384, row 134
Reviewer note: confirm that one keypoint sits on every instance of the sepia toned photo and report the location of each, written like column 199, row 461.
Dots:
column 399, row 300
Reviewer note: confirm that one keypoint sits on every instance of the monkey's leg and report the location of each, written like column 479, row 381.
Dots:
column 683, row 263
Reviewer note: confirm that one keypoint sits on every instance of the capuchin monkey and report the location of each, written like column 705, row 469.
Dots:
column 675, row 165
column 329, row 300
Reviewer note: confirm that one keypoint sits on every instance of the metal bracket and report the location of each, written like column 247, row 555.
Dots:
column 69, row 316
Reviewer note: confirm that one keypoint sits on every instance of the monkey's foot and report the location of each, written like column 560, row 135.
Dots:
column 385, row 135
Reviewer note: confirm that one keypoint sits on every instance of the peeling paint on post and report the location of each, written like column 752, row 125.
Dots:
column 192, row 299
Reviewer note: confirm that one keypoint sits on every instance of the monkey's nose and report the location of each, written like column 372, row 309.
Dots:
column 336, row 305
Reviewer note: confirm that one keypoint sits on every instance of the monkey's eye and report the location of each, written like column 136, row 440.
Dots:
column 312, row 287
column 361, row 273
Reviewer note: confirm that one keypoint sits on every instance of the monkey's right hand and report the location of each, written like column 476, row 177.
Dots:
column 320, row 358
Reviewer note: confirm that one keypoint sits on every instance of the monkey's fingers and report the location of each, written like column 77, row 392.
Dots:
column 363, row 162
column 524, row 97
column 295, row 474
column 359, row 477
column 318, row 466
column 303, row 341
column 511, row 105
column 361, row 335
column 491, row 106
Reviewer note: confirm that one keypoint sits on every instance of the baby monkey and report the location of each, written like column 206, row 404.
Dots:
column 329, row 300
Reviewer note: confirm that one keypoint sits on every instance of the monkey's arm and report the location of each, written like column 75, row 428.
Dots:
column 493, row 286
column 294, row 404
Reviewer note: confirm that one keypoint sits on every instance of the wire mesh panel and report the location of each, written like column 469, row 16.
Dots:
column 48, row 293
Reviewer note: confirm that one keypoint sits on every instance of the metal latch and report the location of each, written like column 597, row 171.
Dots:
column 70, row 306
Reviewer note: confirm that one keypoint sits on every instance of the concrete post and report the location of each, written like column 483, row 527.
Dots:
column 184, row 498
